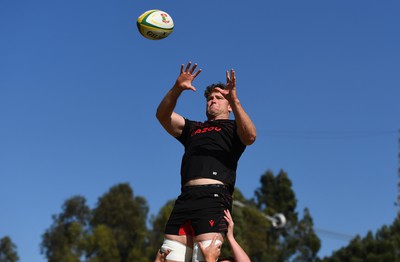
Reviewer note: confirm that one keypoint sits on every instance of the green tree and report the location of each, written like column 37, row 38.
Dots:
column 158, row 222
column 384, row 245
column 125, row 215
column 307, row 242
column 101, row 246
column 8, row 250
column 65, row 240
column 250, row 227
column 297, row 241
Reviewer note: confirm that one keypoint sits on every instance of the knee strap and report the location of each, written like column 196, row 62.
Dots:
column 179, row 252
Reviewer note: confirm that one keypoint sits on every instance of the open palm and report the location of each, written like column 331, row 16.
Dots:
column 187, row 76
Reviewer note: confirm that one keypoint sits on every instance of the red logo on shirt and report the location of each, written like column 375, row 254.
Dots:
column 211, row 223
column 205, row 130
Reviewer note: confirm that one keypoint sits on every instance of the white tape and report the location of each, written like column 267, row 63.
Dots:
column 179, row 252
column 197, row 254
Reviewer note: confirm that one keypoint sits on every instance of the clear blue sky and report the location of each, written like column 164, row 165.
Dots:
column 79, row 87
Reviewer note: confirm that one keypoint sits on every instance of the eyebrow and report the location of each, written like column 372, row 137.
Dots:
column 216, row 94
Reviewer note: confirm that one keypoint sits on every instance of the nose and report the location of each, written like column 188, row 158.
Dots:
column 211, row 100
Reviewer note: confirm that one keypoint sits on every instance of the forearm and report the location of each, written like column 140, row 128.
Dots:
column 171, row 121
column 246, row 128
column 210, row 258
column 237, row 251
column 168, row 104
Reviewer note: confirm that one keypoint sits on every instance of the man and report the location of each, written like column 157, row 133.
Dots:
column 208, row 169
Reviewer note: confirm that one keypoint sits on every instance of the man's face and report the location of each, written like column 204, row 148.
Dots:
column 217, row 106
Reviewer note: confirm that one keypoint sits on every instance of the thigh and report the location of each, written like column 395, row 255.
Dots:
column 185, row 240
column 208, row 236
column 179, row 220
column 209, row 212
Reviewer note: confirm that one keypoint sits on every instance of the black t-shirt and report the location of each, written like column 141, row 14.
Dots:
column 212, row 150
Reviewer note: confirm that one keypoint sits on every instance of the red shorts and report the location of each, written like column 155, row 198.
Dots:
column 199, row 210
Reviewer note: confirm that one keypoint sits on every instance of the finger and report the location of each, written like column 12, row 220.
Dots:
column 227, row 77
column 233, row 75
column 193, row 68
column 197, row 73
column 182, row 68
column 214, row 240
column 201, row 247
column 188, row 66
column 230, row 223
column 219, row 90
column 228, row 214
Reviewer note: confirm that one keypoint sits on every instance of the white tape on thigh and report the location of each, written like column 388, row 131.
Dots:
column 197, row 254
column 179, row 251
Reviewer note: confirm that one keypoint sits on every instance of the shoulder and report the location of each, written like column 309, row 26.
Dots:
column 228, row 123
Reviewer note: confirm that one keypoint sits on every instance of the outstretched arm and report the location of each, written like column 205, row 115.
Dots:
column 237, row 250
column 172, row 122
column 246, row 129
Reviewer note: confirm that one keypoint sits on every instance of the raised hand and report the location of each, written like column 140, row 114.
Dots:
column 230, row 91
column 186, row 77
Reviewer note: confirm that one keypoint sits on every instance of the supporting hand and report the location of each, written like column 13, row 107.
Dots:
column 212, row 252
column 161, row 256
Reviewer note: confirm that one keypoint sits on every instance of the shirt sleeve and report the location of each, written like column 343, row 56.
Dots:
column 185, row 132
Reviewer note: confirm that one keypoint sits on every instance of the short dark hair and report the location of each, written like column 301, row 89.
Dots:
column 210, row 88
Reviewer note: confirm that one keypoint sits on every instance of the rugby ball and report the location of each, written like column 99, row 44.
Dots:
column 155, row 24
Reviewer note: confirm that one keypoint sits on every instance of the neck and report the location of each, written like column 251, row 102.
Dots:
column 218, row 117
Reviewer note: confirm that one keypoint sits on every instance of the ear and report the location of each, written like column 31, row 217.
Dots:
column 229, row 108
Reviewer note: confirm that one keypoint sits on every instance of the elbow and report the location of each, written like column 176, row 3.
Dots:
column 249, row 139
column 163, row 118
column 160, row 115
column 251, row 136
